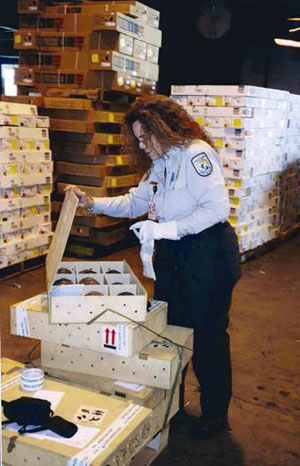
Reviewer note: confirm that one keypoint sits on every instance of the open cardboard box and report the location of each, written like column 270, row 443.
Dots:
column 117, row 295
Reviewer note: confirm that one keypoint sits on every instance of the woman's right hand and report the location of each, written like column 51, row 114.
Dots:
column 83, row 202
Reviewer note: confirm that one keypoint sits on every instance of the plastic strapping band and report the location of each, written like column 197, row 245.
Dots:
column 139, row 324
column 167, row 413
column 180, row 349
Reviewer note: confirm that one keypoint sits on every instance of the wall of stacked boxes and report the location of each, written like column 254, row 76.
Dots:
column 82, row 65
column 26, row 182
column 256, row 133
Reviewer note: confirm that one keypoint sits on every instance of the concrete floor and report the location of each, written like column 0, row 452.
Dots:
column 265, row 332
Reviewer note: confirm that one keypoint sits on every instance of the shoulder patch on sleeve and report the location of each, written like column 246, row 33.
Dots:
column 202, row 164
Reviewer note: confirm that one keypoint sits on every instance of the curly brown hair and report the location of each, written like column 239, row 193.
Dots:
column 164, row 118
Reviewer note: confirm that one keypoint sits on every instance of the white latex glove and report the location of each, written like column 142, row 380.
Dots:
column 146, row 254
column 149, row 230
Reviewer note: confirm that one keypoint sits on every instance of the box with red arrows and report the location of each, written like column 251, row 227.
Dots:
column 30, row 318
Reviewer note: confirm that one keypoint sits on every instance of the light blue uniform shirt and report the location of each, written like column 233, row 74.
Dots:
column 185, row 185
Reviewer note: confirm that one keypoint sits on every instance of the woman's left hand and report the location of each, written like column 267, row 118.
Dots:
column 148, row 230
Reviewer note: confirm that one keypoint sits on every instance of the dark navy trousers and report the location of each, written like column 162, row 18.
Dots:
column 196, row 276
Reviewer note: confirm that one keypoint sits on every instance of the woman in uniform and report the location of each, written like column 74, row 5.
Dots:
column 196, row 250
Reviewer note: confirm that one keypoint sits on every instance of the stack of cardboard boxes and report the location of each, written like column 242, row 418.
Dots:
column 255, row 131
column 99, row 333
column 88, row 62
column 26, row 183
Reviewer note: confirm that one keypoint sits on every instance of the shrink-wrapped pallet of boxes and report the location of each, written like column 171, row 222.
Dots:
column 254, row 131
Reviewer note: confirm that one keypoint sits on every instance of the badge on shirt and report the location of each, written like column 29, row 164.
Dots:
column 202, row 164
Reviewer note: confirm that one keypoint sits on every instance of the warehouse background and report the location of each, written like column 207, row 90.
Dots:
column 245, row 54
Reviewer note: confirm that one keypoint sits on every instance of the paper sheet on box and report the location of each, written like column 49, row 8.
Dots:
column 50, row 395
column 130, row 386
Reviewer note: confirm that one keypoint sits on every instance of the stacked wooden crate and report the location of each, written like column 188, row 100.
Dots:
column 99, row 332
column 25, row 184
column 88, row 62
column 110, row 430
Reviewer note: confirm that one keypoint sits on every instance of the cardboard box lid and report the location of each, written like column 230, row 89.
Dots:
column 60, row 237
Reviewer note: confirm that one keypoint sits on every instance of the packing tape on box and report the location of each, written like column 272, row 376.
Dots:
column 32, row 380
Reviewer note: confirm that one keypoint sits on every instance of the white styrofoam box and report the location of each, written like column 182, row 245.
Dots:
column 266, row 134
column 137, row 29
column 153, row 16
column 213, row 122
column 238, row 173
column 152, row 53
column 187, row 90
column 11, row 237
column 32, row 168
column 44, row 189
column 26, row 156
column 247, row 123
column 257, row 102
column 9, row 193
column 39, row 240
column 21, row 181
column 32, row 121
column 248, row 112
column 42, row 121
column 10, row 169
column 151, row 35
column 11, row 108
column 11, row 225
column 29, row 145
column 36, row 220
column 9, row 132
column 126, row 44
column 9, row 215
column 30, row 318
column 215, row 101
column 152, row 71
column 12, row 248
column 140, row 49
column 231, row 90
column 35, row 251
column 23, row 132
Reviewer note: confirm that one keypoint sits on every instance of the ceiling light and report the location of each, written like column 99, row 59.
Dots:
column 287, row 42
column 294, row 29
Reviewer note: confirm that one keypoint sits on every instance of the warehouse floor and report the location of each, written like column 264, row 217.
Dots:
column 265, row 330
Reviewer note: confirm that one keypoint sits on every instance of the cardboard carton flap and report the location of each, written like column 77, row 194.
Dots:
column 61, row 236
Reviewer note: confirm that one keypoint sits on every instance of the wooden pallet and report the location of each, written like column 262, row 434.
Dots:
column 272, row 244
column 260, row 250
column 21, row 267
column 293, row 230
